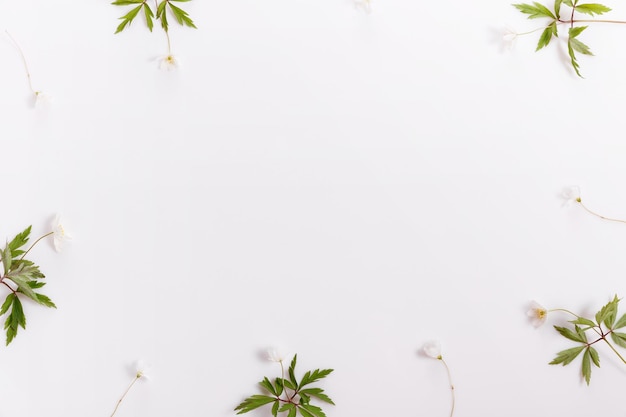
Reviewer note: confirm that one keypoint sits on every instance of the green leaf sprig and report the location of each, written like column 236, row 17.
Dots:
column 586, row 333
column 555, row 19
column 158, row 11
column 22, row 277
column 289, row 395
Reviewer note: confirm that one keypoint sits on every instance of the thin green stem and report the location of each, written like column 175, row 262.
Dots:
column 572, row 21
column 31, row 246
column 124, row 395
column 599, row 215
column 169, row 44
column 19, row 49
column 565, row 311
column 451, row 384
column 614, row 350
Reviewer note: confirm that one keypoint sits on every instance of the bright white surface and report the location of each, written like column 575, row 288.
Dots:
column 346, row 185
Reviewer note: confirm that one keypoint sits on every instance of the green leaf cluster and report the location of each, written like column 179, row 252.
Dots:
column 288, row 395
column 604, row 326
column 150, row 14
column 537, row 10
column 25, row 278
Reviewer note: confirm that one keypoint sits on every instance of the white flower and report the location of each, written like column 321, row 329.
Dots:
column 364, row 5
column 142, row 369
column 433, row 349
column 571, row 195
column 537, row 313
column 508, row 38
column 42, row 98
column 168, row 63
column 274, row 354
column 59, row 234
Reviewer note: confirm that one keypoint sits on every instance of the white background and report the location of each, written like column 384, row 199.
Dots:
column 343, row 184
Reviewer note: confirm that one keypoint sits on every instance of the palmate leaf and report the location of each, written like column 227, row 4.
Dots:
column 316, row 375
column 182, row 17
column 149, row 16
column 317, row 393
column 592, row 8
column 308, row 410
column 128, row 18
column 619, row 338
column 534, row 11
column 557, row 8
column 14, row 320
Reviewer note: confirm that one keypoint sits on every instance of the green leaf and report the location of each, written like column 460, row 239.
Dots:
column 275, row 407
column 572, row 45
column 594, row 356
column 253, row 402
column 534, row 12
column 7, row 303
column 45, row 300
column 619, row 338
column 317, row 393
column 160, row 14
column 279, row 386
column 568, row 2
column 128, row 18
column 18, row 241
column 608, row 312
column 620, row 323
column 292, row 375
column 14, row 320
column 581, row 333
column 546, row 36
column 127, row 2
column 565, row 332
column 268, row 386
column 7, row 259
column 592, row 8
column 182, row 17
column 149, row 15
column 289, row 384
column 557, row 8
column 312, row 410
column 583, row 321
column 587, row 366
column 566, row 356
column 288, row 407
column 316, row 375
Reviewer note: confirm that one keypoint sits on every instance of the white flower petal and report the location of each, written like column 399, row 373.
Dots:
column 142, row 369
column 59, row 234
column 274, row 354
column 168, row 63
column 571, row 195
column 433, row 349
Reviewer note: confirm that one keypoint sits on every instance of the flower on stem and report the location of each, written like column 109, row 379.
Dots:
column 59, row 234
column 140, row 373
column 571, row 195
column 508, row 38
column 168, row 63
column 274, row 354
column 432, row 349
column 42, row 98
column 537, row 313
column 142, row 369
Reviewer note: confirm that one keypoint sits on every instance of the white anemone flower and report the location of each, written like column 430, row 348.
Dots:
column 508, row 38
column 42, row 98
column 571, row 195
column 432, row 349
column 142, row 369
column 59, row 234
column 537, row 313
column 168, row 63
column 274, row 354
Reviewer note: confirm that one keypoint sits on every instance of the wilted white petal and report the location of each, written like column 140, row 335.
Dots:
column 433, row 349
column 537, row 313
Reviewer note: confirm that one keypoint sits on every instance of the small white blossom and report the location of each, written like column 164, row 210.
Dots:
column 42, row 98
column 508, row 38
column 571, row 195
column 537, row 313
column 364, row 5
column 142, row 369
column 274, row 354
column 433, row 349
column 59, row 234
column 168, row 63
